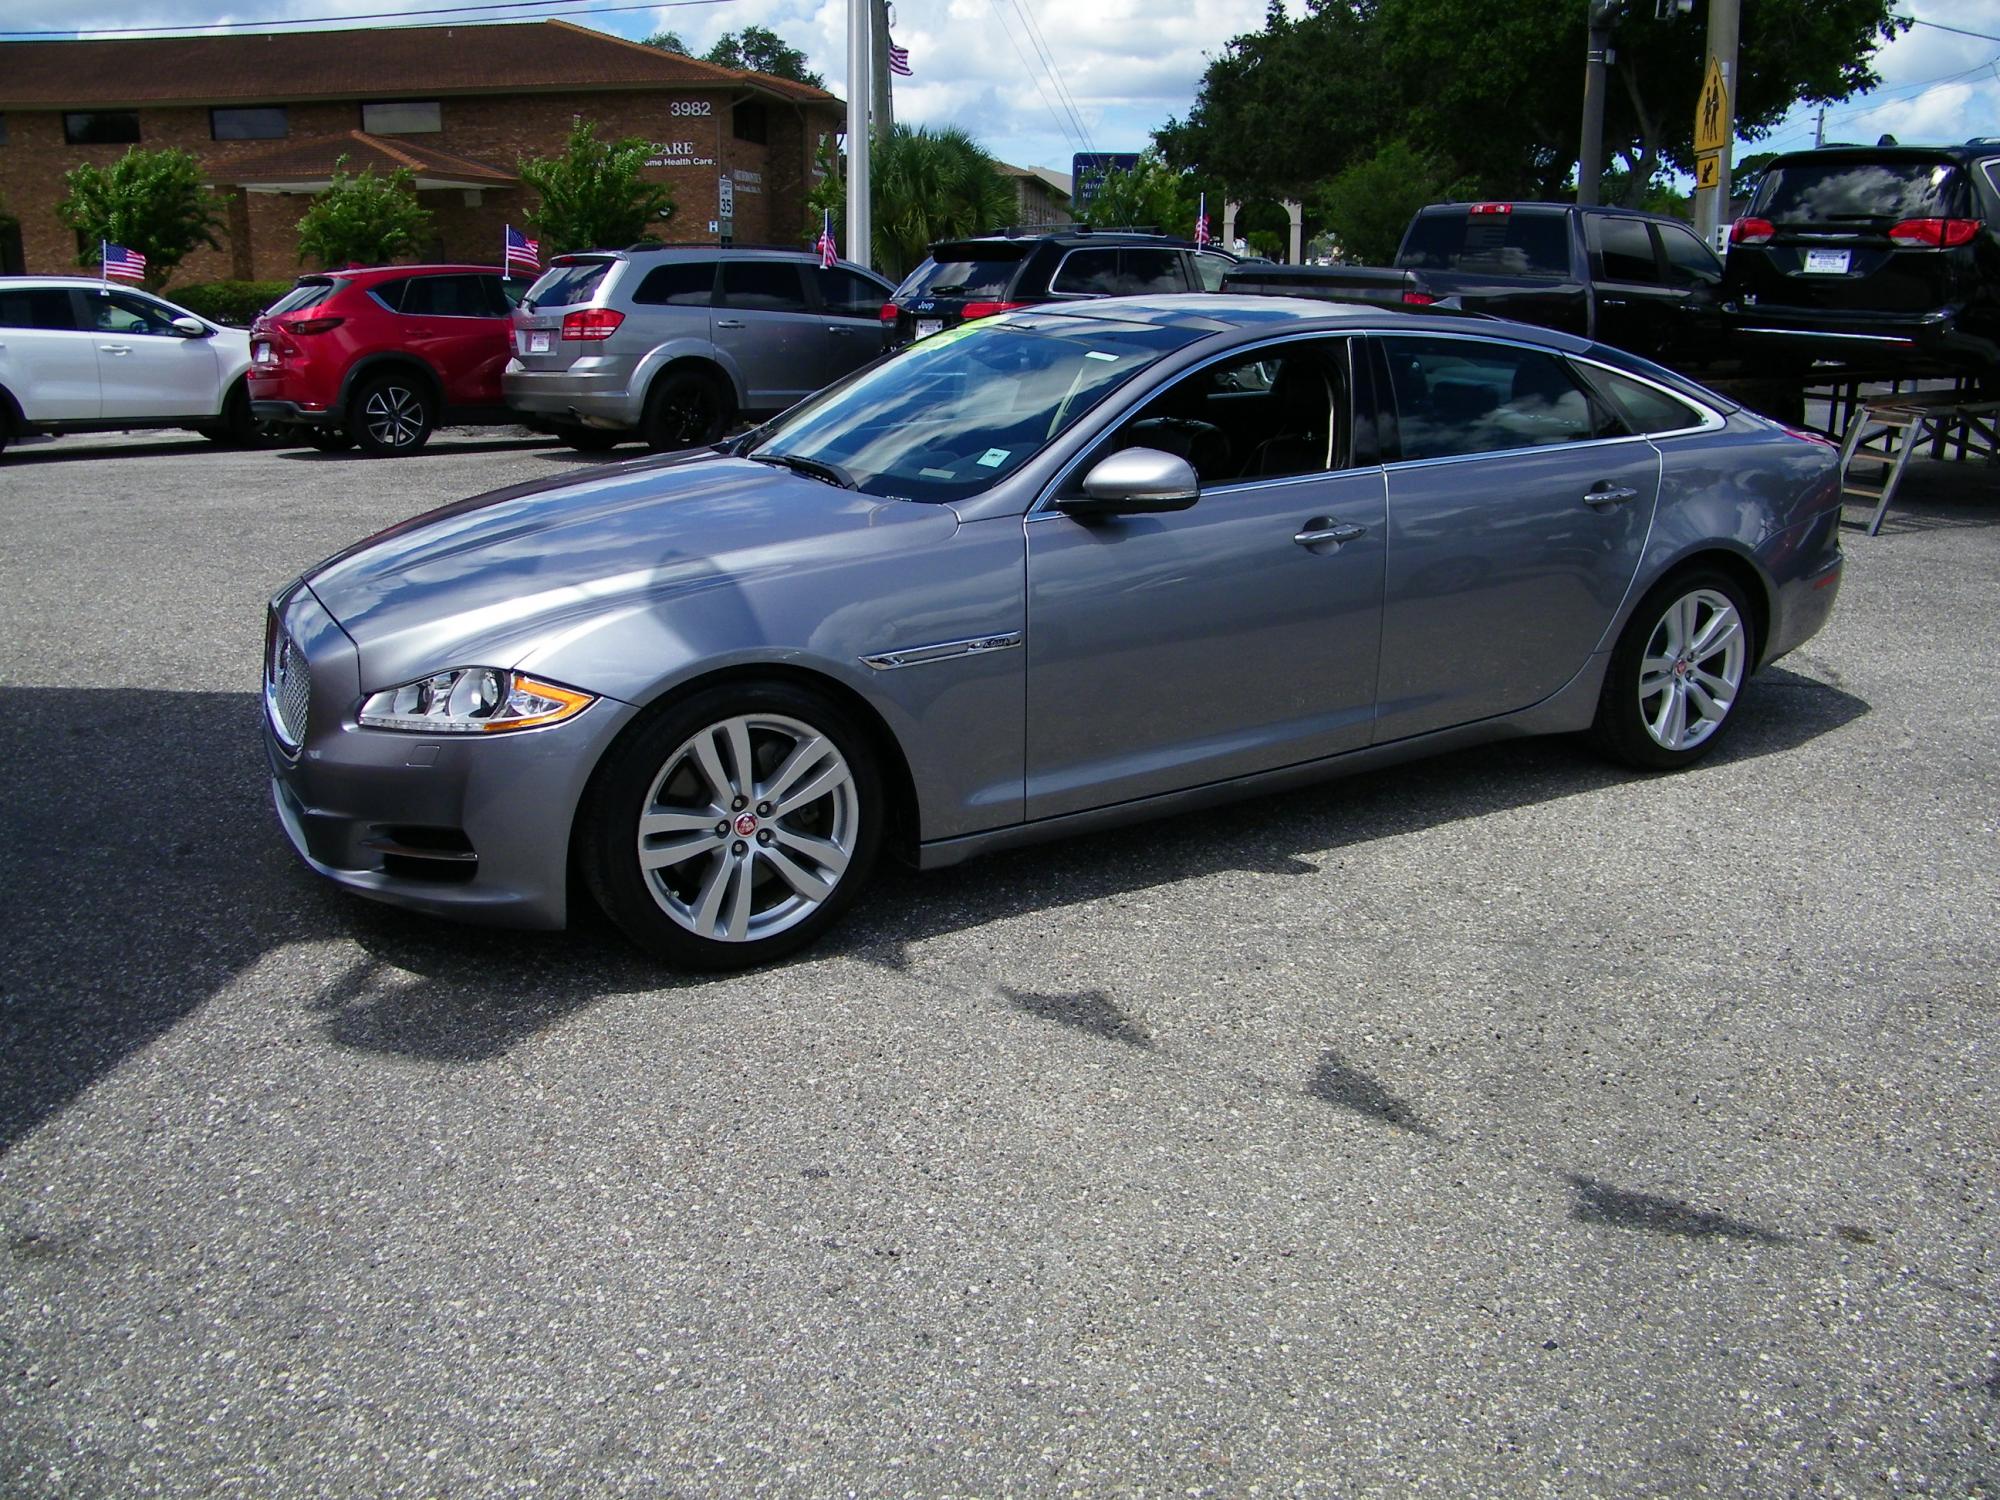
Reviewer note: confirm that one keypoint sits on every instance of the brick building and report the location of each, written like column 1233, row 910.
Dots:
column 268, row 115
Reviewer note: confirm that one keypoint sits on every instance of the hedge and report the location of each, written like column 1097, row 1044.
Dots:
column 236, row 302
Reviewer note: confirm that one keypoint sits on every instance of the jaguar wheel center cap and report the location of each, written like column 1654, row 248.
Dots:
column 746, row 824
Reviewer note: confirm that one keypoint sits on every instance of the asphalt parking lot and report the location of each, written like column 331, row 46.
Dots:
column 1501, row 1125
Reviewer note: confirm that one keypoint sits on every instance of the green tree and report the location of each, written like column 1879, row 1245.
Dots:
column 931, row 185
column 363, row 220
column 1150, row 196
column 758, row 49
column 593, row 196
column 154, row 202
column 1368, row 205
column 827, row 198
column 669, row 41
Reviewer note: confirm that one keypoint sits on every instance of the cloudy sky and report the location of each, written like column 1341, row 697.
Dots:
column 1036, row 80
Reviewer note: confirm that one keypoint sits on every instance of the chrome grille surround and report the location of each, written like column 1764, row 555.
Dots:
column 287, row 688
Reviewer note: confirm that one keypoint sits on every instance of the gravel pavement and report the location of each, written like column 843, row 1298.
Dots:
column 1501, row 1125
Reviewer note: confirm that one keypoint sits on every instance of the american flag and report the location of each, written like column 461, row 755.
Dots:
column 829, row 252
column 1201, row 235
column 899, row 60
column 522, row 252
column 126, row 265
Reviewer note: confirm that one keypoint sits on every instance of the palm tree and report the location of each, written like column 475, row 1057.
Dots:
column 932, row 185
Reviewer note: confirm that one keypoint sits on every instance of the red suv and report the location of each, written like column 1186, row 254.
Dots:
column 383, row 355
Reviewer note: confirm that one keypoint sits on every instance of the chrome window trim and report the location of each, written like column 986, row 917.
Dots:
column 1044, row 504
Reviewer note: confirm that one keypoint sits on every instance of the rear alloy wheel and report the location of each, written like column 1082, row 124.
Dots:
column 735, row 827
column 1678, row 673
column 591, row 439
column 685, row 409
column 391, row 414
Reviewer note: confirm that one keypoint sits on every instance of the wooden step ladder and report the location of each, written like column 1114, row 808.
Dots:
column 1885, row 433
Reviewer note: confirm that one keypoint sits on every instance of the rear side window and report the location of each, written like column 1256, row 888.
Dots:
column 1143, row 270
column 846, row 295
column 1463, row 396
column 1625, row 249
column 1822, row 192
column 685, row 283
column 763, row 286
column 1689, row 261
column 1645, row 408
column 567, row 284
column 37, row 307
column 1087, row 273
column 1504, row 244
column 452, row 297
column 305, row 294
column 975, row 273
column 1211, row 269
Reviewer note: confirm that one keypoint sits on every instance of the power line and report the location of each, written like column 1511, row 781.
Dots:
column 93, row 32
column 1055, row 74
column 1034, row 77
column 1984, row 36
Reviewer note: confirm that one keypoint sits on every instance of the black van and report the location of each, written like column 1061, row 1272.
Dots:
column 1878, row 260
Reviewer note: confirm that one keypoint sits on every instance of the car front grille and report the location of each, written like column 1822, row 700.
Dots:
column 288, row 688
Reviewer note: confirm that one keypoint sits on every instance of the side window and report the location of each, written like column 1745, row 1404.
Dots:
column 1087, row 273
column 1689, row 261
column 1144, row 270
column 390, row 293
column 847, row 295
column 449, row 297
column 762, row 286
column 1645, row 408
column 1625, row 249
column 682, row 283
column 1211, row 269
column 1279, row 411
column 1463, row 396
column 47, row 308
column 121, row 312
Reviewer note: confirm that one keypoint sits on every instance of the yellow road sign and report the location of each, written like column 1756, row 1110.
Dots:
column 1711, row 111
column 1707, row 170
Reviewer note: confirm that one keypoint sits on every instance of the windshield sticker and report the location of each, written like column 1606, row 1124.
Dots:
column 1094, row 354
column 992, row 458
column 937, row 474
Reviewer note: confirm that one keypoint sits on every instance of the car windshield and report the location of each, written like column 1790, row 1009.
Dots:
column 305, row 294
column 964, row 271
column 1828, row 191
column 950, row 416
column 567, row 283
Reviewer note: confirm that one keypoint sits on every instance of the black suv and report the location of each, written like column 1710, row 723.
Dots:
column 1883, row 260
column 967, row 279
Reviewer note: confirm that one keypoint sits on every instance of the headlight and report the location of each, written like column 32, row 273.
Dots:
column 472, row 700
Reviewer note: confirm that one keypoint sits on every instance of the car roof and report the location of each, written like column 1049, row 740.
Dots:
column 1219, row 312
column 381, row 273
column 1962, row 153
column 96, row 281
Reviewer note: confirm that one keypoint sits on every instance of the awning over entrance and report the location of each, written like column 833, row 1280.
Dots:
column 308, row 164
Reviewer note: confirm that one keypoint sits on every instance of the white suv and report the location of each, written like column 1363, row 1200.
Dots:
column 82, row 356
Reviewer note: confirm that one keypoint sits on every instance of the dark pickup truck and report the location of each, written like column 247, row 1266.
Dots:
column 1637, row 281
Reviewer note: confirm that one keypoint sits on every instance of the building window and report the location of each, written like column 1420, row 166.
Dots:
column 264, row 123
column 749, row 123
column 402, row 117
column 116, row 127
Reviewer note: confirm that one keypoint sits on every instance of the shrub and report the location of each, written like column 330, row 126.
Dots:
column 236, row 302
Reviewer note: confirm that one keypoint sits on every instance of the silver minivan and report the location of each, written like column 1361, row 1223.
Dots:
column 670, row 345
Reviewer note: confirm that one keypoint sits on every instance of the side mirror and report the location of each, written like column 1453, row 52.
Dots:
column 191, row 328
column 1135, row 482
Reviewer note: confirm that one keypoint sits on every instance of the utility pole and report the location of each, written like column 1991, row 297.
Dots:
column 859, row 55
column 1711, row 199
column 885, row 108
column 1590, row 159
column 1819, row 129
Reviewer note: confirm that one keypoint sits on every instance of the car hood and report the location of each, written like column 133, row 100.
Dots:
column 487, row 581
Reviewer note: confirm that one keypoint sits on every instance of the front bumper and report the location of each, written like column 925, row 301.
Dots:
column 474, row 827
column 596, row 398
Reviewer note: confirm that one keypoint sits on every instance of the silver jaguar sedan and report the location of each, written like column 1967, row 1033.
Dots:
column 1059, row 569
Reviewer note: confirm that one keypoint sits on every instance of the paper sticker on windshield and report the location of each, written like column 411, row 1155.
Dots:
column 992, row 458
column 1095, row 354
column 936, row 474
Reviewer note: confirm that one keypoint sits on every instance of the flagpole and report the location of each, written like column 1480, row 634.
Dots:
column 858, row 68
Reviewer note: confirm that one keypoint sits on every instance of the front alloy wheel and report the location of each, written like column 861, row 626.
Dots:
column 756, row 820
column 1678, row 673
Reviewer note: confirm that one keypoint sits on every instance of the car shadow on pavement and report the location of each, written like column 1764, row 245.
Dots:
column 144, row 873
column 74, row 450
column 436, row 448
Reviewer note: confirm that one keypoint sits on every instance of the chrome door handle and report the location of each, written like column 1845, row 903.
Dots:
column 116, row 348
column 839, row 333
column 728, row 323
column 1605, row 498
column 1320, row 530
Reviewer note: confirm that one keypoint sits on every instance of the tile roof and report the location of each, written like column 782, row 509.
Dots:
column 414, row 62
column 310, row 157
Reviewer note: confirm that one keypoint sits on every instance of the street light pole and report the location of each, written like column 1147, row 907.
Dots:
column 859, row 69
column 1590, row 158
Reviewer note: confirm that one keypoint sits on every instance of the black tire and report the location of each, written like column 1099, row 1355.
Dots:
column 591, row 439
column 391, row 415
column 1678, row 643
column 237, row 427
column 686, row 409
column 709, row 892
